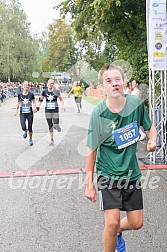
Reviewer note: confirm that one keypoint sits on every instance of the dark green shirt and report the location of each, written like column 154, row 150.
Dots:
column 112, row 162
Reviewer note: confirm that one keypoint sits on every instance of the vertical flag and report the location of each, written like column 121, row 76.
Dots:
column 156, row 34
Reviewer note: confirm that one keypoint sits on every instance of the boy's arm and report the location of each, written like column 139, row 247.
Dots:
column 90, row 191
column 152, row 134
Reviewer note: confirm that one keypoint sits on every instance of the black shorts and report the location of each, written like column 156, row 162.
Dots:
column 78, row 99
column 126, row 196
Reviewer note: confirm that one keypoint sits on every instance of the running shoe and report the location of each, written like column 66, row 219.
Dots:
column 121, row 247
column 51, row 143
column 25, row 134
column 30, row 142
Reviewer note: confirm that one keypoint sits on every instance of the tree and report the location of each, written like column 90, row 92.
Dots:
column 18, row 50
column 62, row 48
column 122, row 24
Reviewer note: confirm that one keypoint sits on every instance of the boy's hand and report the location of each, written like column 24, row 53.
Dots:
column 91, row 194
column 151, row 145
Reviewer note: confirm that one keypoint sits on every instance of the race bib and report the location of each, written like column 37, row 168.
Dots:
column 26, row 110
column 50, row 105
column 126, row 135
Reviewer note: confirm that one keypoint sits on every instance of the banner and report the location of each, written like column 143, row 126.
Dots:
column 157, row 34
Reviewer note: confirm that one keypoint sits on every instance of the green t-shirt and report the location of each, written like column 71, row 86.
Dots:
column 112, row 162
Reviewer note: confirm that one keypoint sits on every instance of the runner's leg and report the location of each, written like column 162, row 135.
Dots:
column 112, row 222
column 30, row 123
column 23, row 124
column 56, row 121
column 50, row 125
column 133, row 220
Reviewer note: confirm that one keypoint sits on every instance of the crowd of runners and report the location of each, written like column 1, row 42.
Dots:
column 27, row 105
column 12, row 89
column 51, row 91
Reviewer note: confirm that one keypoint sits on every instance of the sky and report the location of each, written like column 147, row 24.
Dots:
column 40, row 13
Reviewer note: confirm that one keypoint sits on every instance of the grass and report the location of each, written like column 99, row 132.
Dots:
column 91, row 100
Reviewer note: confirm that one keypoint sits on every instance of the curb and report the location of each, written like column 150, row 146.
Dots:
column 32, row 173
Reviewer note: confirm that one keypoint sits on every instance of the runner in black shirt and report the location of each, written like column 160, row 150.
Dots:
column 52, row 109
column 25, row 101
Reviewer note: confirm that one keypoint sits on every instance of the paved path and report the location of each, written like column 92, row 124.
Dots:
column 49, row 213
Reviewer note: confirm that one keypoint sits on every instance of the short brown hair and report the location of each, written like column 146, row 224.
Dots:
column 110, row 67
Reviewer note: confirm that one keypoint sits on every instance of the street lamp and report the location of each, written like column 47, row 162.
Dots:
column 9, row 61
column 54, row 75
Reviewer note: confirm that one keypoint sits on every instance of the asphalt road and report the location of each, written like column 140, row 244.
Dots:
column 49, row 213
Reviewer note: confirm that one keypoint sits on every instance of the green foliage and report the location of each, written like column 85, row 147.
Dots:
column 120, row 23
column 18, row 50
column 62, row 52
